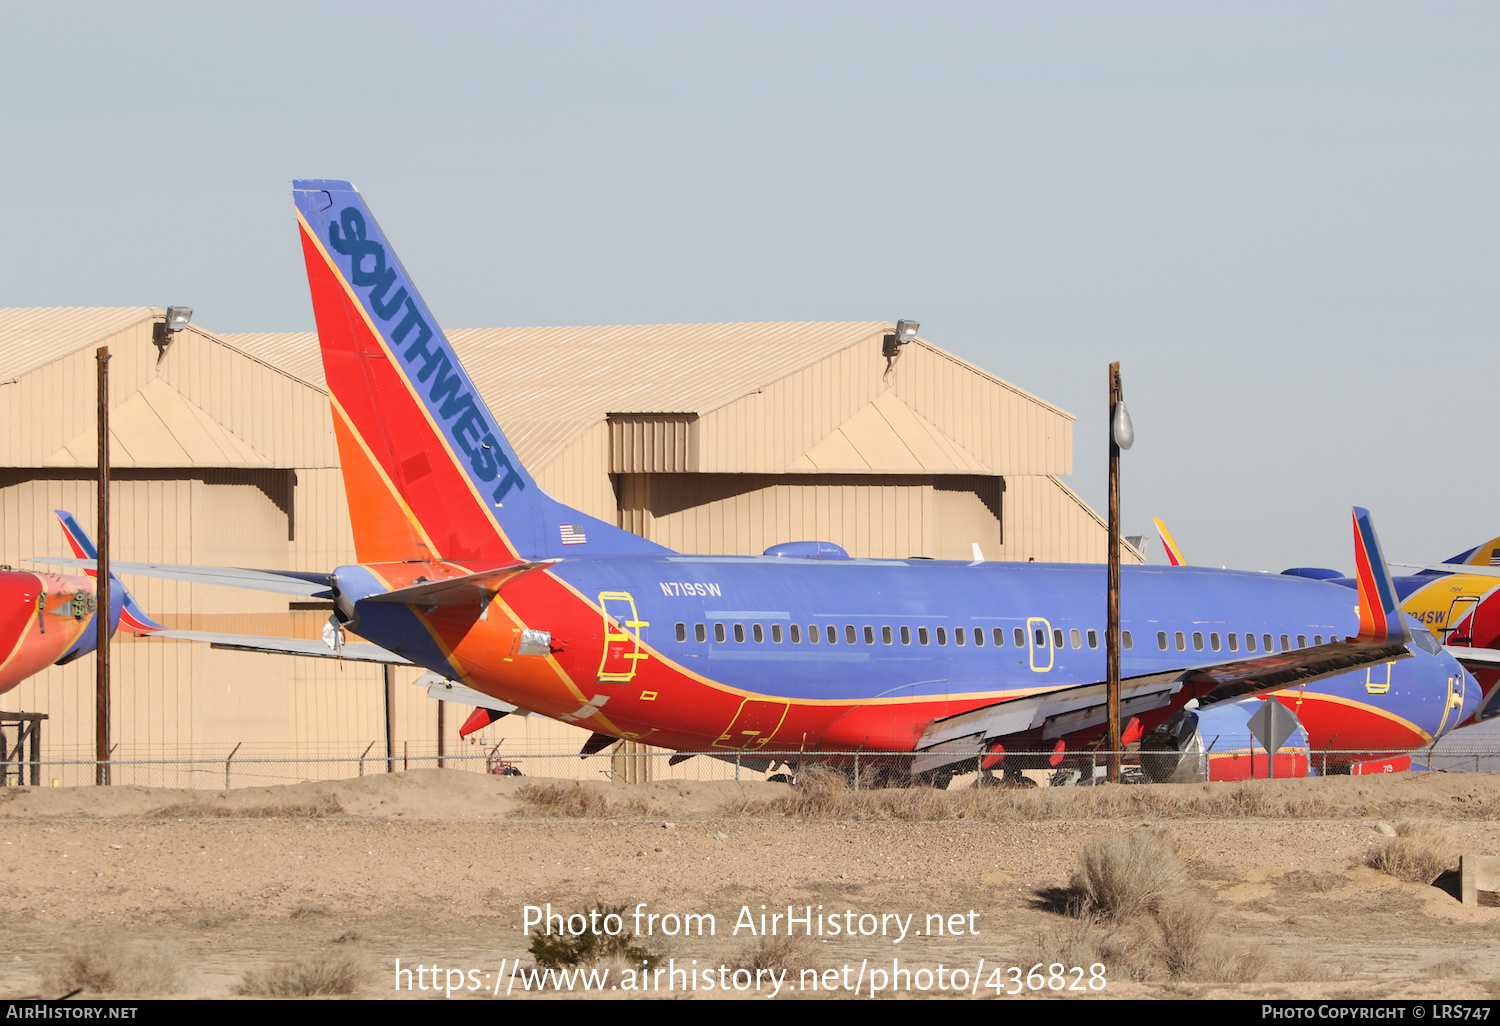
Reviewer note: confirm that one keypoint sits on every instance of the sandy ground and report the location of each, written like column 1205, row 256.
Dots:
column 436, row 868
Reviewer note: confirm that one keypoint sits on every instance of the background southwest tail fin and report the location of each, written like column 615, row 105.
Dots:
column 132, row 617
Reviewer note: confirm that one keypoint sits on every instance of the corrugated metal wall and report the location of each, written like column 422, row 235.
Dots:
column 1010, row 431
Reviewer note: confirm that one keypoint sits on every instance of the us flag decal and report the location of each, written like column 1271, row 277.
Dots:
column 572, row 534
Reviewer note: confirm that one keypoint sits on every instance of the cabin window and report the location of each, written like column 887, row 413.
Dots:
column 739, row 633
column 682, row 632
column 1317, row 639
column 1267, row 645
column 922, row 637
column 1249, row 642
column 700, row 631
column 1075, row 637
column 796, row 634
column 1286, row 644
column 1213, row 641
column 1020, row 638
column 958, row 635
column 1181, row 643
column 776, row 633
column 813, row 635
column 1302, row 641
column 833, row 634
column 850, row 636
column 1234, row 642
column 718, row 632
column 1161, row 640
column 1197, row 641
column 758, row 633
column 885, row 635
column 1125, row 641
column 1093, row 638
column 906, row 635
column 1040, row 640
column 942, row 635
column 979, row 637
column 1057, row 639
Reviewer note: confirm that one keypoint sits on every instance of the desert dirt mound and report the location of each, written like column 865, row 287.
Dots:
column 431, row 794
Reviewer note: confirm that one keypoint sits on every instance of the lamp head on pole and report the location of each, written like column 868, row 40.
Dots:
column 1120, row 428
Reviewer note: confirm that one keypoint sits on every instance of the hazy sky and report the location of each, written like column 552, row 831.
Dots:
column 1280, row 218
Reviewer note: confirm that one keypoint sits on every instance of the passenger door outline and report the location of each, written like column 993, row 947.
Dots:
column 1463, row 606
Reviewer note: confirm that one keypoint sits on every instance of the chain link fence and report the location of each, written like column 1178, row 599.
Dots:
column 261, row 765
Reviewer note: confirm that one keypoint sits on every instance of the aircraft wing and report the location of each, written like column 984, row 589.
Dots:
column 452, row 591
column 353, row 651
column 287, row 582
column 1383, row 637
column 1054, row 714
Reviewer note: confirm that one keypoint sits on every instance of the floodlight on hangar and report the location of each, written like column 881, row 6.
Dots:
column 904, row 333
column 178, row 317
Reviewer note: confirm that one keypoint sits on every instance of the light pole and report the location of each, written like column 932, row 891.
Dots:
column 101, row 578
column 1121, row 436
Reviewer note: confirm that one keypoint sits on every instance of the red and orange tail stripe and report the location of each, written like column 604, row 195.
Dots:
column 1380, row 617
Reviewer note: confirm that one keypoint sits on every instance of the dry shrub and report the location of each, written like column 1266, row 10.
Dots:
column 1140, row 915
column 572, row 800
column 115, row 967
column 1419, row 853
column 552, row 951
column 1121, row 876
column 777, row 955
column 336, row 973
column 316, row 807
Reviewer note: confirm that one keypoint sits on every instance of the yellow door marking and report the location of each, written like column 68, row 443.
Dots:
column 1032, row 625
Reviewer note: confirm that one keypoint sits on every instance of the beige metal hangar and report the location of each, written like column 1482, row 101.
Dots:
column 707, row 438
column 729, row 438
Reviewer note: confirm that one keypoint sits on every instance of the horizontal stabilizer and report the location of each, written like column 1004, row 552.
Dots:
column 444, row 690
column 353, row 652
column 1468, row 569
column 287, row 582
column 1470, row 658
column 453, row 591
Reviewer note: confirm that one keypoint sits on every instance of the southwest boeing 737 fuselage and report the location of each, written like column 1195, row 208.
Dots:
column 722, row 652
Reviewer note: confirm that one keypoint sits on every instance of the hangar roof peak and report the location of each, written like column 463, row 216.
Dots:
column 33, row 336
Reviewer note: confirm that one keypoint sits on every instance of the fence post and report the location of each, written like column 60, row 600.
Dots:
column 226, row 765
column 362, row 757
column 737, row 765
